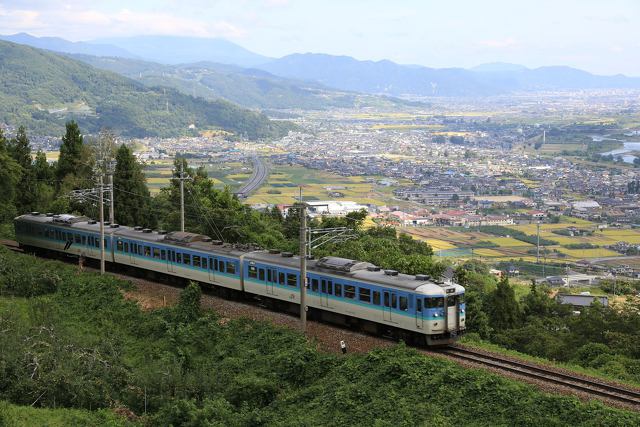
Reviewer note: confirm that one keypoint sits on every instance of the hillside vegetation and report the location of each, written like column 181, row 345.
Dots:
column 78, row 343
column 250, row 88
column 42, row 90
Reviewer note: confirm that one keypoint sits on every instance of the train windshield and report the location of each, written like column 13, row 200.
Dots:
column 434, row 302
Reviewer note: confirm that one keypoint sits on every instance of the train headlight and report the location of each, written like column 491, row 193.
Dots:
column 436, row 315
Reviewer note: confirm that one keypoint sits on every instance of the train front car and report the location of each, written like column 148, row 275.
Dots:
column 428, row 311
column 440, row 310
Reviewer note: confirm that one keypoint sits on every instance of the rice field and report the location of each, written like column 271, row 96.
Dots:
column 283, row 187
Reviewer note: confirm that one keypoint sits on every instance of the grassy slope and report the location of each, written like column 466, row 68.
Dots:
column 254, row 373
column 26, row 416
column 35, row 82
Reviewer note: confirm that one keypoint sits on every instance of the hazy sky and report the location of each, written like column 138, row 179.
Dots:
column 601, row 36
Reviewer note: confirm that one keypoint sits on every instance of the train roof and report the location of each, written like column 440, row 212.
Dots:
column 342, row 267
column 358, row 271
column 177, row 238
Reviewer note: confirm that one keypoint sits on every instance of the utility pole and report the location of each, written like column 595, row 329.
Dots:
column 303, row 263
column 112, row 219
column 181, row 195
column 101, row 214
column 538, row 245
column 182, row 177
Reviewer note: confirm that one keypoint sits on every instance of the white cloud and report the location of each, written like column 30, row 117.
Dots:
column 90, row 23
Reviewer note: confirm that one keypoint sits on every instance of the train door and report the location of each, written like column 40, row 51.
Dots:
column 212, row 271
column 325, row 291
column 272, row 280
column 388, row 298
column 171, row 258
column 133, row 250
column 419, row 311
column 452, row 312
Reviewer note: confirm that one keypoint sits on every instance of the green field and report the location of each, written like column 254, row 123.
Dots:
column 283, row 187
column 461, row 243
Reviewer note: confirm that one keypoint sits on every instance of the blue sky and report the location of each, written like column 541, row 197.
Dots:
column 595, row 35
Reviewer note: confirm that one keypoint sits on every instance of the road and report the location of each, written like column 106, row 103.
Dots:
column 260, row 173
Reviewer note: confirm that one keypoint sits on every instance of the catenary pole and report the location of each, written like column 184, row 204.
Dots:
column 303, row 263
column 181, row 195
column 101, row 213
column 112, row 219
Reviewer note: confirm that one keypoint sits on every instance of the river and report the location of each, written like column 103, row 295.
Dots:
column 627, row 147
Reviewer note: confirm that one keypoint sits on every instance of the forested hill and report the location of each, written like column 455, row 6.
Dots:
column 42, row 90
column 250, row 88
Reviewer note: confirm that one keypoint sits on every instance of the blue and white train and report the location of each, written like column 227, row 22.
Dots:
column 415, row 308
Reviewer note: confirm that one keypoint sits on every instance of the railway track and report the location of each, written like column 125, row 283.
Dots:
column 540, row 373
column 537, row 374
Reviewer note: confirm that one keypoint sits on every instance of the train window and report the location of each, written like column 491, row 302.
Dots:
column 186, row 259
column 163, row 254
column 376, row 297
column 394, row 300
column 365, row 295
column 231, row 267
column 451, row 301
column 179, row 258
column 205, row 263
column 156, row 253
column 419, row 305
column 78, row 239
column 196, row 261
column 292, row 280
column 119, row 246
column 349, row 291
column 253, row 272
column 387, row 301
column 314, row 285
column 84, row 240
column 269, row 278
column 97, row 243
column 261, row 274
column 215, row 264
column 126, row 247
column 461, row 298
column 147, row 251
column 434, row 302
column 281, row 278
column 338, row 290
column 404, row 304
column 329, row 287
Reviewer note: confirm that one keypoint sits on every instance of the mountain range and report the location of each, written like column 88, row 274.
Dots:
column 249, row 87
column 42, row 90
column 339, row 72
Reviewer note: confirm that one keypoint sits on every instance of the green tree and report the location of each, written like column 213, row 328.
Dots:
column 44, row 175
column 537, row 302
column 504, row 309
column 10, row 172
column 132, row 202
column 188, row 308
column 20, row 149
column 70, row 160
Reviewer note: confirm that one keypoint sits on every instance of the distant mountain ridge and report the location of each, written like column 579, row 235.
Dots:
column 57, row 44
column 42, row 90
column 249, row 87
column 183, row 50
column 343, row 72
